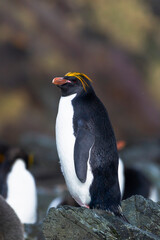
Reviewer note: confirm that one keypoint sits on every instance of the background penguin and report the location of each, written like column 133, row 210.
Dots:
column 17, row 185
column 10, row 225
column 136, row 183
column 86, row 145
column 133, row 181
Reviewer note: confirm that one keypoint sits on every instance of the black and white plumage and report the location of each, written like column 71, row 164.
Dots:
column 17, row 185
column 86, row 145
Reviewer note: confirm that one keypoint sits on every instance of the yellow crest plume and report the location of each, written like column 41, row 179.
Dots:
column 80, row 77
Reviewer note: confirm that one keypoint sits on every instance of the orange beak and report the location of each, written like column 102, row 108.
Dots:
column 59, row 81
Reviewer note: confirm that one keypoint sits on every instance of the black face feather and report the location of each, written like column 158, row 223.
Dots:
column 77, row 83
column 72, row 87
column 17, row 153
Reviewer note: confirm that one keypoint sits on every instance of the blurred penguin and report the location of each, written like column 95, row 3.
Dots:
column 136, row 183
column 133, row 181
column 17, row 185
column 10, row 225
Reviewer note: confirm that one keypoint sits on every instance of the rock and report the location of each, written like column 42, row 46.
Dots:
column 143, row 213
column 68, row 222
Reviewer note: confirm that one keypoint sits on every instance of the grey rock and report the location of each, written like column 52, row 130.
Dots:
column 143, row 213
column 68, row 222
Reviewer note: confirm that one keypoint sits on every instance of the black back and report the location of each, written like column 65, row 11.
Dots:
column 91, row 113
column 136, row 183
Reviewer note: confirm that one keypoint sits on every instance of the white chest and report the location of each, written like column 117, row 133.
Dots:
column 22, row 196
column 65, row 141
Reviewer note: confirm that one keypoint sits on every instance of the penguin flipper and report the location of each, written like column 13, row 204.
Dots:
column 84, row 142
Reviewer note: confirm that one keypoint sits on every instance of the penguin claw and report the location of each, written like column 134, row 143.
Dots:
column 121, row 215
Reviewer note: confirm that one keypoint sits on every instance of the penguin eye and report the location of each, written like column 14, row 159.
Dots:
column 74, row 80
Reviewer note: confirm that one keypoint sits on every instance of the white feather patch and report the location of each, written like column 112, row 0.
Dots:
column 65, row 141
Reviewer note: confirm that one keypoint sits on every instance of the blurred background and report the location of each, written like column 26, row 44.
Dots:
column 115, row 43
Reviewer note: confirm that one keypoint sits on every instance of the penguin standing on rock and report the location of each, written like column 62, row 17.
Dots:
column 86, row 145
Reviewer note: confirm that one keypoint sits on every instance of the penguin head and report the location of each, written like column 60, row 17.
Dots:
column 73, row 82
column 15, row 153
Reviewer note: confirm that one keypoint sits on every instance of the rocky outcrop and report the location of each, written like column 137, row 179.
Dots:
column 70, row 223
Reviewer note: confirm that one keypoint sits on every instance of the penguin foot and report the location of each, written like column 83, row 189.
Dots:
column 120, row 214
column 86, row 206
column 113, row 210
